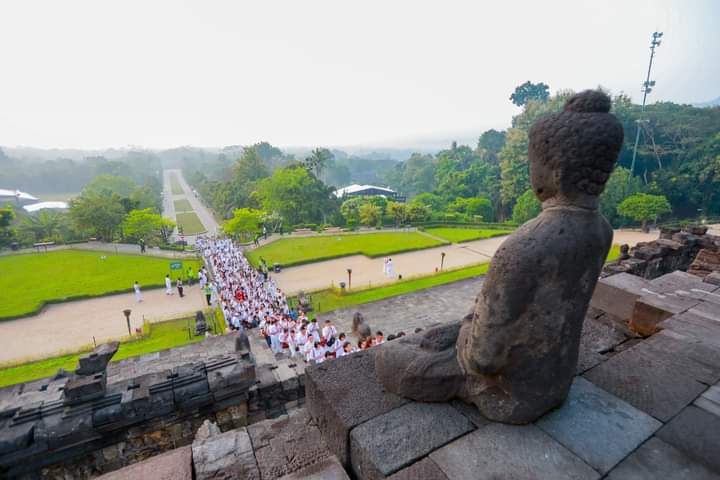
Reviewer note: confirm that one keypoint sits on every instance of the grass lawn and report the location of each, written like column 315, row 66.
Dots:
column 459, row 235
column 614, row 253
column 296, row 251
column 175, row 185
column 28, row 281
column 161, row 336
column 190, row 223
column 183, row 205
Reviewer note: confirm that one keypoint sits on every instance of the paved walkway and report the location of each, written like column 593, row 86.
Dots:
column 206, row 217
column 70, row 326
column 117, row 248
column 369, row 271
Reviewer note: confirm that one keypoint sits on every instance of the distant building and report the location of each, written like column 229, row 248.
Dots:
column 356, row 190
column 16, row 196
column 36, row 207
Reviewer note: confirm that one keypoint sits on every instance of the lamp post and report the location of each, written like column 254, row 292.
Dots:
column 349, row 270
column 127, row 312
column 442, row 260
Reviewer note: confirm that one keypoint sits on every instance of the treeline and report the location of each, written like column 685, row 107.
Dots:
column 678, row 159
column 109, row 207
column 66, row 175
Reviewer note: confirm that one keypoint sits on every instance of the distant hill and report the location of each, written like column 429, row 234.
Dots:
column 711, row 103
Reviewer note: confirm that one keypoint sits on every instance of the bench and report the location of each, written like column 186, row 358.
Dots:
column 43, row 245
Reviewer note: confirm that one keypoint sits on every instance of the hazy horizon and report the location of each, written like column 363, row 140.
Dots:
column 93, row 76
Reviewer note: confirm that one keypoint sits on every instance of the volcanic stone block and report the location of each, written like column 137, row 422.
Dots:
column 693, row 325
column 677, row 282
column 424, row 469
column 713, row 278
column 647, row 380
column 658, row 460
column 343, row 394
column 710, row 400
column 80, row 389
column 173, row 465
column 509, row 452
column 16, row 437
column 695, row 432
column 616, row 294
column 291, row 444
column 385, row 444
column 598, row 427
column 328, row 469
column 97, row 360
column 226, row 455
column 653, row 308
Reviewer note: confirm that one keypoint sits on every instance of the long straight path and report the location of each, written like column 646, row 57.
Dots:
column 204, row 214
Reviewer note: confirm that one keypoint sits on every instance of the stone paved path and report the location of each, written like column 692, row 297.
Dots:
column 206, row 217
column 414, row 310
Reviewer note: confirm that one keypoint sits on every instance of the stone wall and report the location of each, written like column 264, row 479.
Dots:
column 676, row 249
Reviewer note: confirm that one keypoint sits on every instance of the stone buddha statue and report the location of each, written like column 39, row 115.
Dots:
column 514, row 356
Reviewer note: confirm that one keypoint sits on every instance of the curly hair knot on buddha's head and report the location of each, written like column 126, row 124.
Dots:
column 574, row 151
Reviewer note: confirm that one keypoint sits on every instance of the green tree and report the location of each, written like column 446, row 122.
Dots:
column 530, row 91
column 398, row 211
column 147, row 225
column 7, row 215
column 44, row 226
column 245, row 223
column 318, row 160
column 643, row 207
column 99, row 215
column 618, row 187
column 417, row 213
column 296, row 195
column 490, row 143
column 526, row 207
column 370, row 215
column 474, row 207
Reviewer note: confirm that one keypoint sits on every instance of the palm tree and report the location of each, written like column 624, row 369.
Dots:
column 318, row 160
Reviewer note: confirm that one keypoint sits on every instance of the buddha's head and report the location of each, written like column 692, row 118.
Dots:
column 573, row 152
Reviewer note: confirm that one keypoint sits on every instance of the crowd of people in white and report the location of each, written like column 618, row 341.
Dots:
column 249, row 299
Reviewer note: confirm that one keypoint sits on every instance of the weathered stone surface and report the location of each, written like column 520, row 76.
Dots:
column 706, row 262
column 425, row 469
column 328, row 469
column 97, row 360
column 226, row 455
column 389, row 442
column 658, row 460
column 653, row 308
column 648, row 380
column 710, row 400
column 173, row 465
column 515, row 357
column 513, row 452
column 600, row 335
column 290, row 444
column 598, row 427
column 84, row 388
column 696, row 326
column 343, row 394
column 713, row 278
column 695, row 432
column 616, row 294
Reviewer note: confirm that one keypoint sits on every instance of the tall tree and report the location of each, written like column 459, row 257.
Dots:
column 529, row 91
column 643, row 207
column 318, row 160
column 99, row 215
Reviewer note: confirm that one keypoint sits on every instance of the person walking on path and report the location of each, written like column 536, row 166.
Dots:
column 138, row 295
column 180, row 287
column 207, row 289
column 168, row 285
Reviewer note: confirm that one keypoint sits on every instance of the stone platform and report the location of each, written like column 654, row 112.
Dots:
column 638, row 409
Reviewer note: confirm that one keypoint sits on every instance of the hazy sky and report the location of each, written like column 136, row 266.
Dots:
column 300, row 72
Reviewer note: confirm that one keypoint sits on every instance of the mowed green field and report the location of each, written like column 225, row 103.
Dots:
column 175, row 185
column 190, row 223
column 162, row 336
column 297, row 251
column 28, row 281
column 459, row 235
column 183, row 205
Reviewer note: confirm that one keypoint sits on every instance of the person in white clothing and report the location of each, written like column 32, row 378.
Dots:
column 318, row 353
column 390, row 272
column 168, row 285
column 308, row 348
column 138, row 295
